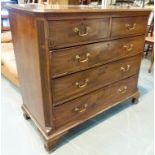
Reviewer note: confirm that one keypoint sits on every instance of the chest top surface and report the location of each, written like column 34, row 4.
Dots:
column 40, row 8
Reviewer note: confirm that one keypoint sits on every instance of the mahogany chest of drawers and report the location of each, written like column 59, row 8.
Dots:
column 75, row 62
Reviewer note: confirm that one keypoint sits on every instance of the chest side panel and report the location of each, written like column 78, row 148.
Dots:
column 30, row 58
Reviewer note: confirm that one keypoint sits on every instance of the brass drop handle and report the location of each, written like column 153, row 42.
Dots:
column 130, row 27
column 125, row 69
column 77, row 57
column 123, row 90
column 78, row 31
column 128, row 47
column 83, row 109
column 82, row 85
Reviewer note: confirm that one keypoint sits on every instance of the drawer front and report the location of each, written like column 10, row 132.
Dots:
column 75, row 85
column 82, row 108
column 71, row 60
column 128, row 26
column 64, row 33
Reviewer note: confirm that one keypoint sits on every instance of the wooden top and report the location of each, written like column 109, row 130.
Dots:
column 46, row 8
column 149, row 39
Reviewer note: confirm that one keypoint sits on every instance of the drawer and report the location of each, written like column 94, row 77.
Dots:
column 84, row 107
column 68, row 32
column 128, row 26
column 74, row 59
column 75, row 85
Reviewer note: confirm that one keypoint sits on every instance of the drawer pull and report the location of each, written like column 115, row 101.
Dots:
column 84, row 60
column 131, row 27
column 128, row 47
column 123, row 90
column 125, row 69
column 82, row 85
column 83, row 109
column 78, row 31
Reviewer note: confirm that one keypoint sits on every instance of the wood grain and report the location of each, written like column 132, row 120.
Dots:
column 65, row 62
column 128, row 26
column 67, row 114
column 97, row 78
column 71, row 9
column 31, row 77
column 88, row 30
column 75, row 62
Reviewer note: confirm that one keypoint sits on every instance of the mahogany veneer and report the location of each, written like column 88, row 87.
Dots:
column 75, row 63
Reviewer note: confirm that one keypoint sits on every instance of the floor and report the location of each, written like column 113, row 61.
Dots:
column 123, row 130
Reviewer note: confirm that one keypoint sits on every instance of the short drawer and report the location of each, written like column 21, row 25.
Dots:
column 68, row 32
column 128, row 26
column 84, row 107
column 75, row 85
column 74, row 59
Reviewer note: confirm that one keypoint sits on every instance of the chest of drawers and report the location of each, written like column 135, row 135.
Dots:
column 74, row 63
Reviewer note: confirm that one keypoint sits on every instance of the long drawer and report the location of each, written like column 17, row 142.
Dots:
column 74, row 59
column 75, row 85
column 127, row 26
column 62, row 33
column 84, row 107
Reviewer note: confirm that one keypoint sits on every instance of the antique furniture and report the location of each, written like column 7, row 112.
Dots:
column 75, row 62
column 150, row 41
column 8, row 63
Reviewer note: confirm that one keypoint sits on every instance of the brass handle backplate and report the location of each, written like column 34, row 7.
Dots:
column 128, row 47
column 79, row 32
column 81, row 110
column 125, row 69
column 123, row 90
column 84, row 60
column 82, row 85
column 130, row 27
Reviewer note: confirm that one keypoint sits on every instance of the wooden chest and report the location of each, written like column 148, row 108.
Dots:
column 75, row 62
